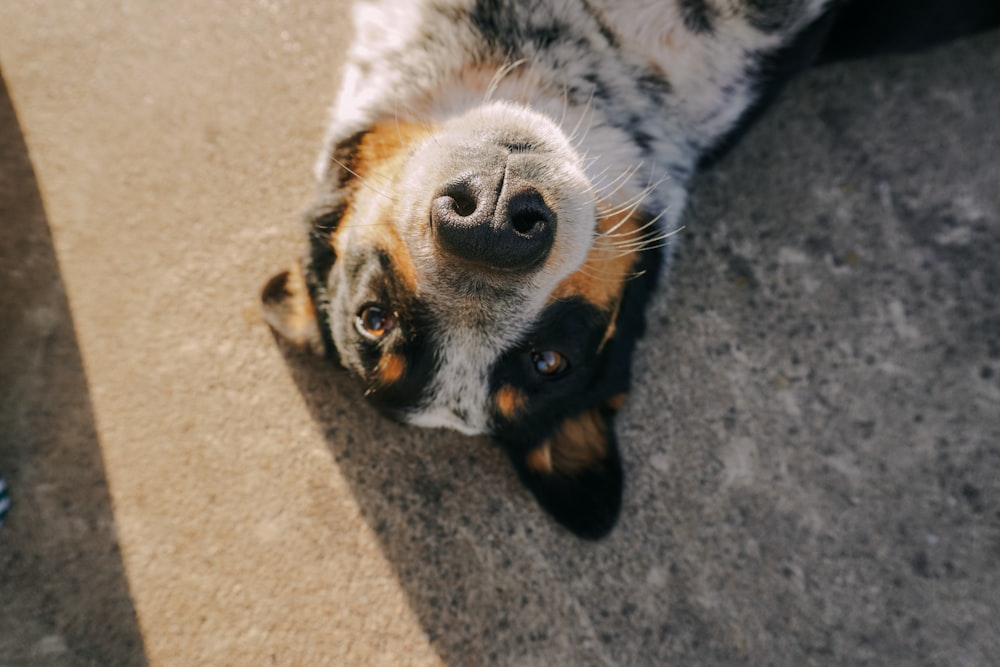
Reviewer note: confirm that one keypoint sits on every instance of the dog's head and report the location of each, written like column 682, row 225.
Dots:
column 470, row 275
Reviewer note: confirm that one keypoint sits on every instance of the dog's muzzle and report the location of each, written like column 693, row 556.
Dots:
column 495, row 211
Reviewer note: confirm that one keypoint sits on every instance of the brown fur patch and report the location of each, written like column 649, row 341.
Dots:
column 602, row 277
column 540, row 459
column 618, row 402
column 385, row 144
column 510, row 401
column 390, row 368
column 580, row 443
column 377, row 164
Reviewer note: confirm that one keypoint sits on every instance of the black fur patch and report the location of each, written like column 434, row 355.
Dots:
column 697, row 16
column 887, row 26
column 771, row 15
column 509, row 36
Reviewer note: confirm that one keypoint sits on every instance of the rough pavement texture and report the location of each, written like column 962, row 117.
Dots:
column 812, row 446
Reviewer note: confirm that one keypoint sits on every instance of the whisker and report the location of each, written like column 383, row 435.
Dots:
column 642, row 245
column 613, row 252
column 614, row 234
column 595, row 267
column 525, row 85
column 602, row 181
column 500, row 75
column 598, row 178
column 586, row 161
column 399, row 132
column 621, row 181
column 565, row 109
column 592, row 110
column 583, row 114
column 639, row 196
column 361, row 179
column 606, row 276
column 430, row 132
column 619, row 253
column 627, row 213
column 628, row 237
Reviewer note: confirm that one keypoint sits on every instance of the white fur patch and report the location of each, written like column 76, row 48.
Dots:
column 459, row 397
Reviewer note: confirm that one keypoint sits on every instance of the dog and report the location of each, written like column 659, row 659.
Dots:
column 499, row 189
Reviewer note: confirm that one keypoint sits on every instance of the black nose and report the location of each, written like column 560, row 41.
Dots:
column 505, row 225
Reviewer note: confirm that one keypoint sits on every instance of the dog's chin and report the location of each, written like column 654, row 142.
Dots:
column 441, row 418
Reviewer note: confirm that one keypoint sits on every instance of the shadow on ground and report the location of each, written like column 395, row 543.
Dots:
column 811, row 449
column 62, row 583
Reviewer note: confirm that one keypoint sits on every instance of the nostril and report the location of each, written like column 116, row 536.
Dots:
column 528, row 213
column 461, row 198
column 524, row 222
column 463, row 204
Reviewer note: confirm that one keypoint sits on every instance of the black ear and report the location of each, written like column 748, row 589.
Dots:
column 576, row 473
column 287, row 307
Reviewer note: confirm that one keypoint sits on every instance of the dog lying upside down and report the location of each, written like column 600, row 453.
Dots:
column 498, row 191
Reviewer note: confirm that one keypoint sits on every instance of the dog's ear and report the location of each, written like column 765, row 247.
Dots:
column 286, row 299
column 576, row 474
column 289, row 310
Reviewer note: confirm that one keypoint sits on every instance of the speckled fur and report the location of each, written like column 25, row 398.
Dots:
column 652, row 82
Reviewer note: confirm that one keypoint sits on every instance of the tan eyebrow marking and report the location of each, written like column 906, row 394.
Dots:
column 390, row 367
column 510, row 401
column 618, row 401
column 540, row 459
column 579, row 443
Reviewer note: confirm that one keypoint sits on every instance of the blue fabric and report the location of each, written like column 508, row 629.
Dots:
column 4, row 500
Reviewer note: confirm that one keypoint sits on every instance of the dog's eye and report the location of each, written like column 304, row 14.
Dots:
column 549, row 363
column 374, row 322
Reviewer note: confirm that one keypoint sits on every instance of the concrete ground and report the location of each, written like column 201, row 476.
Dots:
column 812, row 447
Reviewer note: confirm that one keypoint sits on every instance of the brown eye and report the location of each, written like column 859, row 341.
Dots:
column 549, row 362
column 375, row 322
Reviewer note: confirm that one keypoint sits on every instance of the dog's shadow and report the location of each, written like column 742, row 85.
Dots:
column 491, row 577
column 467, row 541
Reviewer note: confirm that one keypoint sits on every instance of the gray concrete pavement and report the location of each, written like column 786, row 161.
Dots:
column 812, row 447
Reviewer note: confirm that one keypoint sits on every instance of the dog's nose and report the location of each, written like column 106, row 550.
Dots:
column 497, row 223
